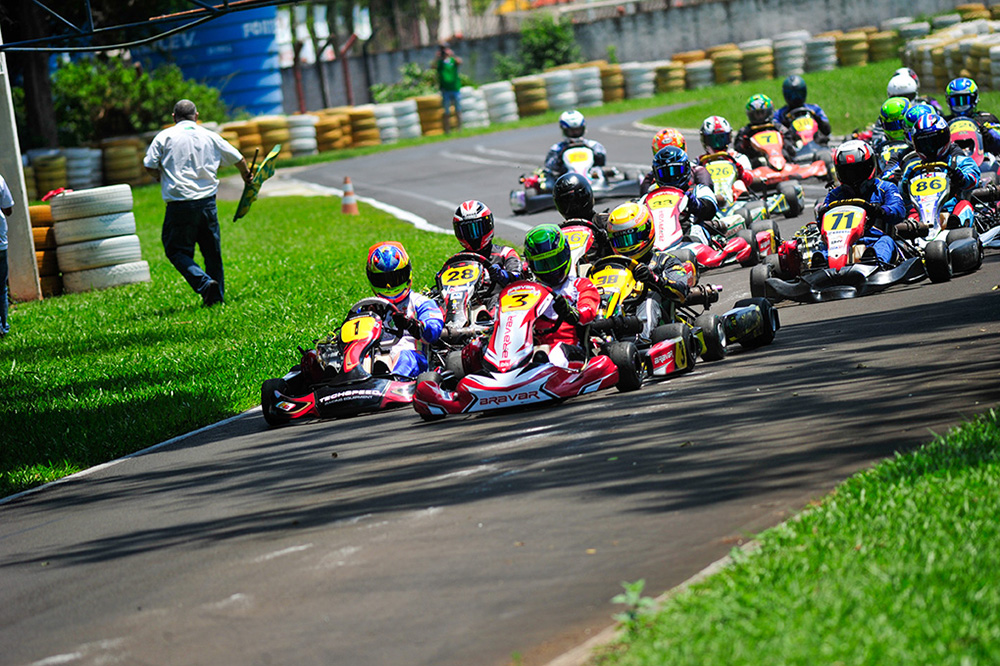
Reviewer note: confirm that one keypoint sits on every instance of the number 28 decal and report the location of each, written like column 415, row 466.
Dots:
column 458, row 276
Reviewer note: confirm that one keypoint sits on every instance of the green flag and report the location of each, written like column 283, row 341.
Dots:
column 252, row 189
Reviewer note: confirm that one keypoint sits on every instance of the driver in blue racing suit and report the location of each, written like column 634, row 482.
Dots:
column 794, row 90
column 419, row 318
column 573, row 125
column 855, row 163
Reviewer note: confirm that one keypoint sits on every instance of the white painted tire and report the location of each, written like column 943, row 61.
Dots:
column 98, row 253
column 88, row 203
column 303, row 145
column 302, row 132
column 106, row 276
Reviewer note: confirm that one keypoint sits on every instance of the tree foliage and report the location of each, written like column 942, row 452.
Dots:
column 545, row 42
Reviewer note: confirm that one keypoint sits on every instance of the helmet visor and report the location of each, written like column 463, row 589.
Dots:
column 856, row 172
column 717, row 140
column 930, row 146
column 630, row 241
column 390, row 280
column 473, row 231
column 573, row 132
column 671, row 174
column 962, row 102
column 759, row 116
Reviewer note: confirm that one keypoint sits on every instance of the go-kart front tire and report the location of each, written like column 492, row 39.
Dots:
column 272, row 415
column 682, row 331
column 791, row 193
column 758, row 279
column 754, row 257
column 713, row 329
column 770, row 324
column 626, row 358
column 937, row 261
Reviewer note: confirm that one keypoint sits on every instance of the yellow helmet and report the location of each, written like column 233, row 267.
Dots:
column 630, row 230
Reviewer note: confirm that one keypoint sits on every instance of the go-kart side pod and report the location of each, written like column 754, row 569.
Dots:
column 753, row 322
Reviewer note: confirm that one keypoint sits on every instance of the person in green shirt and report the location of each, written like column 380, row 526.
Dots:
column 448, row 81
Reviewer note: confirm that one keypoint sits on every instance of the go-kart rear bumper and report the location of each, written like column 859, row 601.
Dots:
column 854, row 280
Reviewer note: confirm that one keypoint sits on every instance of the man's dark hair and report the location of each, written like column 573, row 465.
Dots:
column 185, row 110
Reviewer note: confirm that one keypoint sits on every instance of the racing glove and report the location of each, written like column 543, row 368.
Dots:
column 565, row 309
column 408, row 324
column 499, row 276
column 642, row 273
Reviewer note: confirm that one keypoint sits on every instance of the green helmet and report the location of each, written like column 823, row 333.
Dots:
column 760, row 109
column 548, row 254
column 891, row 117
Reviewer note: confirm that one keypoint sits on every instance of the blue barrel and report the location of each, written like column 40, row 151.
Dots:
column 236, row 53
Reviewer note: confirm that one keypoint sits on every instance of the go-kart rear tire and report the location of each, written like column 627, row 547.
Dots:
column 430, row 376
column 682, row 331
column 791, row 193
column 685, row 254
column 453, row 364
column 771, row 322
column 754, row 257
column 968, row 257
column 713, row 329
column 626, row 358
column 272, row 415
column 766, row 225
column 937, row 261
column 758, row 282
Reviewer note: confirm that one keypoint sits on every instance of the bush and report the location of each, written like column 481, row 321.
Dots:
column 97, row 98
column 544, row 43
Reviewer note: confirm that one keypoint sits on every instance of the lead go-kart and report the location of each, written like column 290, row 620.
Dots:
column 347, row 374
column 515, row 372
column 800, row 272
column 675, row 346
column 606, row 182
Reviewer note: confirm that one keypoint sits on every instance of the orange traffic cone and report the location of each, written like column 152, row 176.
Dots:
column 349, row 204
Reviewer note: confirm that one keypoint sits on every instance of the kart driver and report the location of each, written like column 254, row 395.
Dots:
column 575, row 300
column 473, row 224
column 631, row 233
column 672, row 168
column 419, row 317
column 760, row 114
column 963, row 98
column 716, row 136
column 854, row 162
column 573, row 125
column 574, row 199
column 794, row 90
column 668, row 136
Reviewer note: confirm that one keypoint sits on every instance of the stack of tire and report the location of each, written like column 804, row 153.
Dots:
column 559, row 90
column 994, row 61
column 670, row 76
column 302, row 134
column 231, row 136
column 852, row 49
column 407, row 118
column 640, row 79
column 995, row 12
column 50, row 169
column 248, row 139
column 979, row 62
column 530, row 94
column 587, row 86
column 612, row 82
column 430, row 109
column 96, row 245
column 758, row 60
column 973, row 11
column 122, row 159
column 83, row 168
column 501, row 102
column 472, row 107
column 364, row 126
column 727, row 63
column 945, row 21
column 385, row 121
column 330, row 132
column 914, row 30
column 274, row 131
column 45, row 249
column 895, row 23
column 821, row 54
column 698, row 74
column 789, row 56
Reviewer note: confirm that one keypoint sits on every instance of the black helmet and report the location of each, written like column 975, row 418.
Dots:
column 854, row 162
column 794, row 90
column 473, row 224
column 672, row 168
column 573, row 196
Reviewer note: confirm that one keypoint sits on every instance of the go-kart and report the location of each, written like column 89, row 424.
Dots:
column 771, row 165
column 948, row 242
column 345, row 375
column 584, row 244
column 675, row 346
column 800, row 272
column 987, row 214
column 462, row 289
column 668, row 205
column 966, row 135
column 606, row 182
column 806, row 128
column 516, row 372
column 740, row 208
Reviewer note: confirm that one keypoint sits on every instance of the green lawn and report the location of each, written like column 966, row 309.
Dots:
column 897, row 566
column 90, row 377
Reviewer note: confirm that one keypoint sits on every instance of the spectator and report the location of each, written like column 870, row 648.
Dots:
column 185, row 158
column 449, row 82
column 6, row 208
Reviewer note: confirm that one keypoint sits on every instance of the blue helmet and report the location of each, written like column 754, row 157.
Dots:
column 913, row 114
column 963, row 96
column 671, row 167
column 931, row 137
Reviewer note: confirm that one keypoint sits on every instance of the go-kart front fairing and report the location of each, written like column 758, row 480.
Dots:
column 769, row 146
column 346, row 375
column 514, row 373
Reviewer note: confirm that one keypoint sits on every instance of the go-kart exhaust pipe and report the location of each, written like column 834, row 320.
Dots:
column 987, row 193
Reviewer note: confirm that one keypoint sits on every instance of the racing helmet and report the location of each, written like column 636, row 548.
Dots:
column 854, row 162
column 963, row 96
column 573, row 196
column 473, row 224
column 716, row 133
column 891, row 117
column 672, row 168
column 794, row 90
column 910, row 73
column 388, row 271
column 548, row 254
column 668, row 136
column 913, row 114
column 573, row 124
column 630, row 230
column 901, row 85
column 760, row 109
column 931, row 137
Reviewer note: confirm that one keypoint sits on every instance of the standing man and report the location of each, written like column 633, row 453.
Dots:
column 185, row 159
column 6, row 208
column 448, row 81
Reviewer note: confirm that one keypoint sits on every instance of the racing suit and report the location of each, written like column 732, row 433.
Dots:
column 883, row 194
column 701, row 209
column 699, row 173
column 553, row 160
column 742, row 142
column 781, row 118
column 964, row 174
column 420, row 318
column 667, row 280
column 559, row 325
column 743, row 172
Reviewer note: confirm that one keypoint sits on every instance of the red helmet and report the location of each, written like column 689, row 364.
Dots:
column 668, row 136
column 473, row 223
column 854, row 162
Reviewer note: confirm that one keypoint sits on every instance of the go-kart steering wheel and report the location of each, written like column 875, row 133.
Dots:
column 385, row 311
column 468, row 256
column 613, row 260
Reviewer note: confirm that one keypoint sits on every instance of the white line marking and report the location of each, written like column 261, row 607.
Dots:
column 286, row 551
column 484, row 160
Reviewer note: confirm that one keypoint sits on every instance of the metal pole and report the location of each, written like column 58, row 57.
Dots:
column 21, row 261
column 347, row 68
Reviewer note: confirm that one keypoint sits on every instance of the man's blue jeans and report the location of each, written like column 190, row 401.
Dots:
column 190, row 223
column 4, row 326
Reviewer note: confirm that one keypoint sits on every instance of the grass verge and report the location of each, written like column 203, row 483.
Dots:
column 90, row 377
column 897, row 566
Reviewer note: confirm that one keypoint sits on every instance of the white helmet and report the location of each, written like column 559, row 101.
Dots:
column 573, row 124
column 909, row 72
column 902, row 85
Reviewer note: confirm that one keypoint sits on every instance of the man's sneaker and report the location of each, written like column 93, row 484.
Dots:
column 212, row 294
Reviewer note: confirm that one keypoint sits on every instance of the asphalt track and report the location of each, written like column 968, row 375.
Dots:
column 386, row 541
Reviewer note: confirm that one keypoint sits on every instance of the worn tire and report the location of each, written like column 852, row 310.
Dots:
column 97, row 253
column 626, row 358
column 766, row 225
column 758, row 281
column 754, row 258
column 771, row 322
column 273, row 416
column 788, row 189
column 89, row 203
column 106, row 277
column 93, row 228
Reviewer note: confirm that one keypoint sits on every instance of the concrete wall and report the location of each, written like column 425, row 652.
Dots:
column 637, row 36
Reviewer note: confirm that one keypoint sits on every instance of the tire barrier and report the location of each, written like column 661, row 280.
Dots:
column 670, row 76
column 364, row 129
column 333, row 130
column 83, row 168
column 530, row 94
column 883, row 46
column 727, row 65
column 45, row 249
column 472, row 107
column 273, row 131
column 640, row 79
column 302, row 135
column 122, row 161
column 698, row 74
column 758, row 63
column 945, row 21
column 789, row 57
column 612, row 83
column 852, row 49
column 501, row 102
column 431, row 113
column 587, row 86
column 29, row 182
column 407, row 118
column 821, row 54
column 559, row 90
column 50, row 170
column 969, row 49
column 385, row 121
